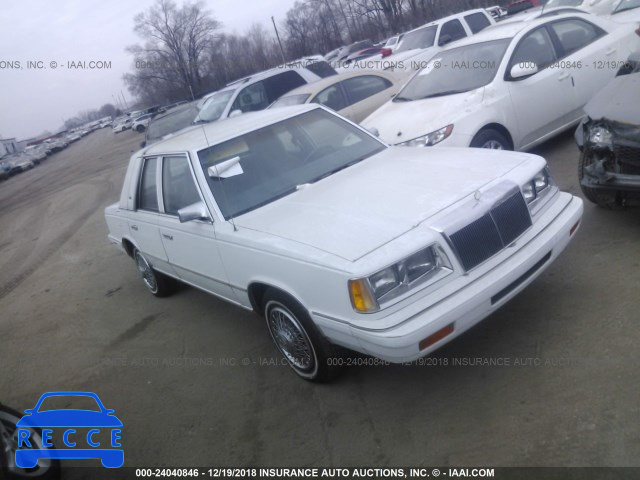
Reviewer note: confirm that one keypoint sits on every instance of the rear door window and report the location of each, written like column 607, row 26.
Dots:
column 359, row 88
column 477, row 21
column 148, row 191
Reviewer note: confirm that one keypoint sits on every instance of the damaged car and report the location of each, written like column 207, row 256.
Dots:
column 609, row 142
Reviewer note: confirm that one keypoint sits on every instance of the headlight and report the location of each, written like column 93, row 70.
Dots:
column 369, row 293
column 430, row 138
column 600, row 136
column 537, row 187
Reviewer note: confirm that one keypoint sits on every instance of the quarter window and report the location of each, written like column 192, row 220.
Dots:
column 178, row 187
column 148, row 193
column 360, row 88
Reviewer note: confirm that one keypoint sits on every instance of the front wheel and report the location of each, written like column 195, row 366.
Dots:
column 491, row 139
column 157, row 283
column 304, row 348
column 43, row 469
column 140, row 128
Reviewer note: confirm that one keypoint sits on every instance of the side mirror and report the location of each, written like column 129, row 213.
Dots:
column 235, row 113
column 195, row 211
column 444, row 39
column 373, row 131
column 523, row 69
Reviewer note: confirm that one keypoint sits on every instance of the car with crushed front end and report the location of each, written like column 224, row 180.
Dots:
column 335, row 237
column 609, row 142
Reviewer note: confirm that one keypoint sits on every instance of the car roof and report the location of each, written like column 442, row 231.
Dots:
column 446, row 19
column 203, row 136
column 320, row 85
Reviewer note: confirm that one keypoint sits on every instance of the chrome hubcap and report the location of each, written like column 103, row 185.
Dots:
column 291, row 339
column 147, row 273
column 493, row 145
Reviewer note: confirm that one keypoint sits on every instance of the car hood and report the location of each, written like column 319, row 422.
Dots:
column 69, row 418
column 361, row 208
column 617, row 101
column 399, row 122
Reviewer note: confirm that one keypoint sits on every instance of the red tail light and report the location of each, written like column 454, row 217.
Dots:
column 387, row 51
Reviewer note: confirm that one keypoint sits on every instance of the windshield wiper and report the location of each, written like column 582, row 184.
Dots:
column 443, row 94
column 402, row 99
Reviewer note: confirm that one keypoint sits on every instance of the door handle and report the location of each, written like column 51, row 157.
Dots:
column 563, row 76
column 134, row 227
column 167, row 236
column 609, row 52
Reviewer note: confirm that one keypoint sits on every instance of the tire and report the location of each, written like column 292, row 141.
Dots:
column 602, row 198
column 157, row 283
column 45, row 469
column 297, row 338
column 140, row 128
column 491, row 139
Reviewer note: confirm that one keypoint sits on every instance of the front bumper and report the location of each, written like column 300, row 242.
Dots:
column 467, row 306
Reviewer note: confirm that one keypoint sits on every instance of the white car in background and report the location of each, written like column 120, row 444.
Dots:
column 258, row 91
column 142, row 122
column 334, row 237
column 121, row 125
column 596, row 7
column 353, row 95
column 509, row 87
column 422, row 43
column 626, row 11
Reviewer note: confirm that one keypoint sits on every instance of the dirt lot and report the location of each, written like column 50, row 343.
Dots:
column 196, row 382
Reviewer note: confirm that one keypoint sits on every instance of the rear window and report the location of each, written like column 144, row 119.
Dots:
column 322, row 69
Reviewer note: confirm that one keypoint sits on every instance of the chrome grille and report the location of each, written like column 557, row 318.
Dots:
column 492, row 232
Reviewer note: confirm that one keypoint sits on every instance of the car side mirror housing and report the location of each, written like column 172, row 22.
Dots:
column 195, row 211
column 235, row 113
column 523, row 69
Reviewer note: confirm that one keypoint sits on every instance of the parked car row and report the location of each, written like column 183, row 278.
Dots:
column 33, row 155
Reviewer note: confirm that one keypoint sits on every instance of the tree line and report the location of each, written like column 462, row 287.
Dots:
column 184, row 53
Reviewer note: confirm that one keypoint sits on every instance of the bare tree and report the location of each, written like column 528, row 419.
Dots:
column 176, row 41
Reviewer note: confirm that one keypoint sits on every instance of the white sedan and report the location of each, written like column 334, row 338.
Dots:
column 511, row 86
column 335, row 237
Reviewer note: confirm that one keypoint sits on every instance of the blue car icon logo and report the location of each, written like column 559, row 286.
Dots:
column 86, row 433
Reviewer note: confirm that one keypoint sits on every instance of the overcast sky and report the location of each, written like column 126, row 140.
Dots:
column 33, row 100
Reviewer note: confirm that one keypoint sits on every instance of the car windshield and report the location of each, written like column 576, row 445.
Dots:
column 63, row 402
column 291, row 100
column 214, row 106
column 563, row 3
column 627, row 5
column 421, row 38
column 171, row 123
column 264, row 165
column 455, row 71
